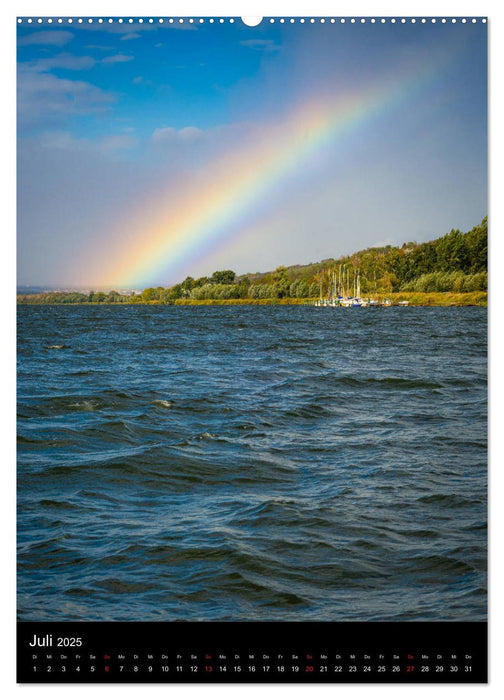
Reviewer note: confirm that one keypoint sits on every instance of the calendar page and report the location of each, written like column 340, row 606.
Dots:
column 252, row 349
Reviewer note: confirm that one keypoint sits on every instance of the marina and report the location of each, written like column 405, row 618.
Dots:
column 340, row 286
column 349, row 302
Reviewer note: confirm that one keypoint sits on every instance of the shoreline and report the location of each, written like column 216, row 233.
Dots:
column 415, row 299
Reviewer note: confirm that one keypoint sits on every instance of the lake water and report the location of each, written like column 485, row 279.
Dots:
column 251, row 463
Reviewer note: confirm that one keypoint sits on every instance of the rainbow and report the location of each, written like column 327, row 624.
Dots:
column 211, row 208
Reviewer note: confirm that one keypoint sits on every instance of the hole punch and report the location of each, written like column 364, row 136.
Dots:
column 252, row 21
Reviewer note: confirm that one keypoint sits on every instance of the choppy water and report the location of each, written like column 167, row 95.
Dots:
column 279, row 463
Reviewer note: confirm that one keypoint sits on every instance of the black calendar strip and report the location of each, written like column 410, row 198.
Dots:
column 252, row 652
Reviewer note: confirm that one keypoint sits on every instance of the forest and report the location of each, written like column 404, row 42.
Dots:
column 456, row 262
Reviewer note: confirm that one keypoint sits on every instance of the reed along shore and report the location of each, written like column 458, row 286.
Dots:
column 414, row 299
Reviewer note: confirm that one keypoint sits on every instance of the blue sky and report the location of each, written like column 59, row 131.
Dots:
column 112, row 115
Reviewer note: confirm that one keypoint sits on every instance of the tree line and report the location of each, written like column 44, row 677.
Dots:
column 456, row 262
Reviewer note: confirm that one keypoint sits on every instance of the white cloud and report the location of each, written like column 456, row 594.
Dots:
column 115, row 142
column 169, row 134
column 118, row 58
column 67, row 61
column 50, row 38
column 132, row 35
column 45, row 99
column 137, row 80
column 60, row 140
column 261, row 44
column 123, row 28
column 99, row 47
column 191, row 148
column 126, row 27
column 65, row 141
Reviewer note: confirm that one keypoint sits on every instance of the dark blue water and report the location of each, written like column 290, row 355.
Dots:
column 246, row 463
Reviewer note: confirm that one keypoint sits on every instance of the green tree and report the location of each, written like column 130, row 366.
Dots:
column 477, row 245
column 281, row 282
column 150, row 294
column 223, row 277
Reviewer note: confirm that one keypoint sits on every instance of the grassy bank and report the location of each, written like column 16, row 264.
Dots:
column 242, row 302
column 414, row 298
column 440, row 298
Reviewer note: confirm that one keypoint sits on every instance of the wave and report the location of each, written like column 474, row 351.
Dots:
column 297, row 470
